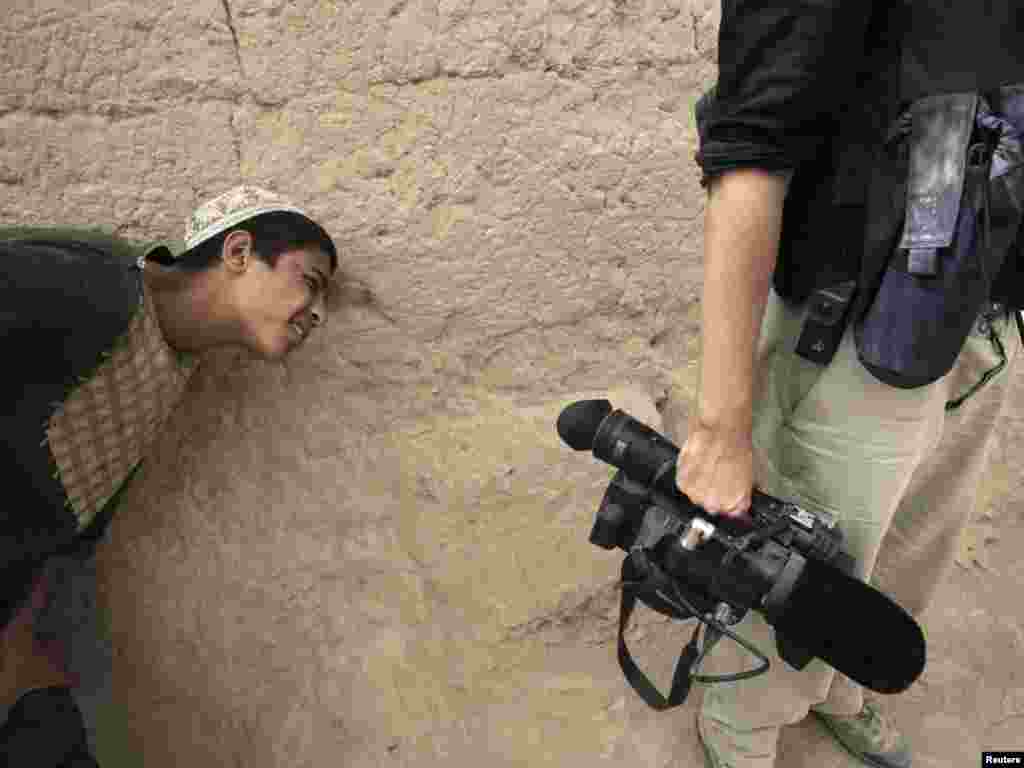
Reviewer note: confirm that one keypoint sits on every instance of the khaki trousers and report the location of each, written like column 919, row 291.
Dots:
column 899, row 467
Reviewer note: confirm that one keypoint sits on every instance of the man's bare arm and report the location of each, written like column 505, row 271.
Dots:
column 743, row 221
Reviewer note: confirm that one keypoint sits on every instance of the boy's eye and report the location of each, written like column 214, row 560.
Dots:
column 312, row 283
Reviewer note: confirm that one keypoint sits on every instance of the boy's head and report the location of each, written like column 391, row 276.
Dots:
column 278, row 259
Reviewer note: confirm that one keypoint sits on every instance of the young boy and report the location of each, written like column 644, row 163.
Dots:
column 101, row 334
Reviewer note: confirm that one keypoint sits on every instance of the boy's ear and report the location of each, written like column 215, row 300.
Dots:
column 237, row 247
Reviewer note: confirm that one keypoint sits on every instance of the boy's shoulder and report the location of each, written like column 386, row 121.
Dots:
column 106, row 241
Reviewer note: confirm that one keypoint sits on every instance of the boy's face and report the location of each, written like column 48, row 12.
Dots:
column 279, row 307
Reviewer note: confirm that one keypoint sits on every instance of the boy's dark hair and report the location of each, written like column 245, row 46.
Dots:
column 272, row 234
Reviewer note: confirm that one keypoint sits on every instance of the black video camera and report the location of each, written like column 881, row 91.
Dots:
column 785, row 562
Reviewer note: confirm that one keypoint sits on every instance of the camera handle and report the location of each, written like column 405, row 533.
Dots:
column 642, row 577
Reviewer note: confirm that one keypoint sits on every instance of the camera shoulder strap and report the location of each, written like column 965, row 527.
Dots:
column 650, row 587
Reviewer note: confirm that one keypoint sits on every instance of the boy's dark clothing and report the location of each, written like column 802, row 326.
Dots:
column 45, row 730
column 70, row 300
column 67, row 297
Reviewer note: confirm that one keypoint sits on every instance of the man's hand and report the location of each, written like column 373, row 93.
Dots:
column 24, row 666
column 716, row 469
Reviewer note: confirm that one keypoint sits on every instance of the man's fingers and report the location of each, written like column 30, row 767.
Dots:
column 714, row 507
column 740, row 509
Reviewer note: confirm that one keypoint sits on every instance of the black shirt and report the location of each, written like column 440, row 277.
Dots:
column 795, row 82
column 785, row 71
column 817, row 87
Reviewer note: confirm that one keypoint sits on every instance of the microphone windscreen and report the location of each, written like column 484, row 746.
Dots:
column 854, row 628
column 578, row 423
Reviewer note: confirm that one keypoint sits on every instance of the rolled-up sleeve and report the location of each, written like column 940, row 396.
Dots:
column 784, row 71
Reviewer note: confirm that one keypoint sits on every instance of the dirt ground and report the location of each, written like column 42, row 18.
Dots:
column 969, row 699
